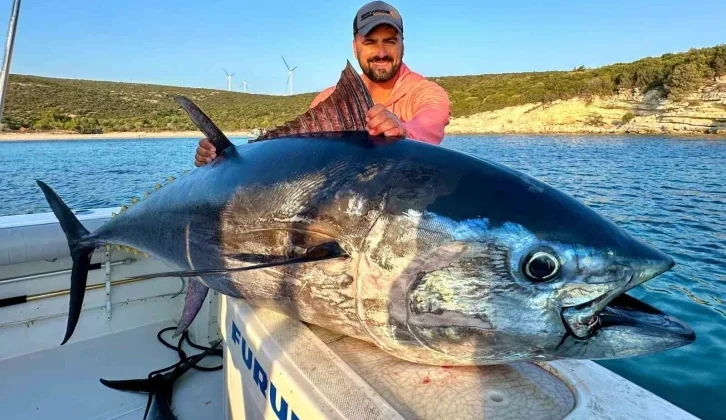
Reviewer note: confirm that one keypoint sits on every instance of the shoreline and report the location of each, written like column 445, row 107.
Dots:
column 7, row 136
column 668, row 134
column 64, row 136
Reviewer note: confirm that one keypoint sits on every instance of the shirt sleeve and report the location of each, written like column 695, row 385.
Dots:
column 431, row 115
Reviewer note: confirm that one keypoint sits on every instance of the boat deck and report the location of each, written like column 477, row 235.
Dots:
column 64, row 382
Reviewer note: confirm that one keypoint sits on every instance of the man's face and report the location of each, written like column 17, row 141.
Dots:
column 379, row 53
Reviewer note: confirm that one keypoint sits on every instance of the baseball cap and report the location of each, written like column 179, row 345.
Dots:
column 376, row 13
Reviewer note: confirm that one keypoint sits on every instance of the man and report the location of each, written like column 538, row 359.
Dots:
column 406, row 104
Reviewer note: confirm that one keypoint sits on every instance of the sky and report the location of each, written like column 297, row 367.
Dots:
column 188, row 43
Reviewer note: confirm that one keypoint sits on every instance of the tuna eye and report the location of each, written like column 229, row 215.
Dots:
column 541, row 266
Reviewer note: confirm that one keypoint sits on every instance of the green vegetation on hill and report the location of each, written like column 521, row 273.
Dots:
column 674, row 74
column 40, row 103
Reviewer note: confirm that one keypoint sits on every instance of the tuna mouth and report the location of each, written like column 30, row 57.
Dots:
column 619, row 314
column 617, row 308
column 625, row 327
column 583, row 320
column 627, row 312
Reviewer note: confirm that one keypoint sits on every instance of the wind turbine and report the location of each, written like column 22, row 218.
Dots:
column 229, row 79
column 244, row 86
column 290, row 71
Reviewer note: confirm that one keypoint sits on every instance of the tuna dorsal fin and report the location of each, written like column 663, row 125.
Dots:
column 344, row 110
column 205, row 124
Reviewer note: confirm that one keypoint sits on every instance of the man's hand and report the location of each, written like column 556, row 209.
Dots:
column 205, row 153
column 382, row 121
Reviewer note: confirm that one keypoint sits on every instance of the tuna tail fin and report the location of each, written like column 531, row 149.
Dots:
column 205, row 124
column 160, row 386
column 81, row 251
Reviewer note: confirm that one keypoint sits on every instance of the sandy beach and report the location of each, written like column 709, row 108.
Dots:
column 45, row 136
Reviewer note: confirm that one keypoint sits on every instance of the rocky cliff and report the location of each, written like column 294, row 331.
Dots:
column 702, row 112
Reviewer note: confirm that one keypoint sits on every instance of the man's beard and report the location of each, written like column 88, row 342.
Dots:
column 380, row 75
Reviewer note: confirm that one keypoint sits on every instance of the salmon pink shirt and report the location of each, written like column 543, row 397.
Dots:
column 421, row 105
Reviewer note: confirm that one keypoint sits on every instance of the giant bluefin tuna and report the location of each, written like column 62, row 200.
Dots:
column 435, row 256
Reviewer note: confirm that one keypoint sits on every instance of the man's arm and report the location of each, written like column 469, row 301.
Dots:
column 432, row 111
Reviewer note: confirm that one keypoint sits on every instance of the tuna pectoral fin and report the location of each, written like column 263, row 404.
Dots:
column 196, row 293
column 326, row 251
column 205, row 124
column 81, row 248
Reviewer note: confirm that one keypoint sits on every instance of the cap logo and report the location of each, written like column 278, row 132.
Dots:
column 374, row 12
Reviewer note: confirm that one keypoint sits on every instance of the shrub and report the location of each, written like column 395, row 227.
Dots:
column 627, row 117
column 595, row 119
column 719, row 61
column 686, row 78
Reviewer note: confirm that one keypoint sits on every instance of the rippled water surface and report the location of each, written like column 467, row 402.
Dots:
column 670, row 192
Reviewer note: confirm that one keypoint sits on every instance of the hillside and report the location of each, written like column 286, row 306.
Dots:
column 41, row 103
column 644, row 88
